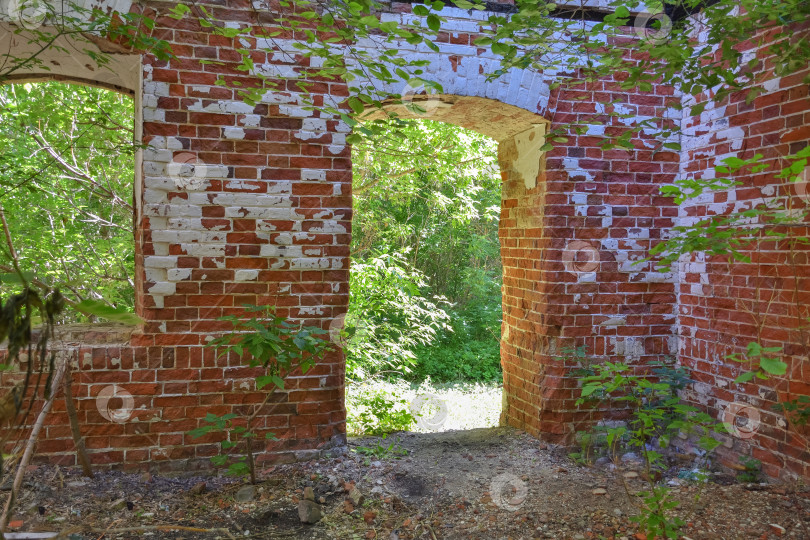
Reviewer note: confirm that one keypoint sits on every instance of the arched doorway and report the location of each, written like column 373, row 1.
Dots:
column 520, row 136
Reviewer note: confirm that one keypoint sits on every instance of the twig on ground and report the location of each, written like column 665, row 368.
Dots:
column 107, row 529
column 144, row 528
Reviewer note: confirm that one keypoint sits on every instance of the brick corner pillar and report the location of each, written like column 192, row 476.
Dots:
column 570, row 243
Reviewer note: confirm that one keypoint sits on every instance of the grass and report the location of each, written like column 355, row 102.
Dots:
column 467, row 405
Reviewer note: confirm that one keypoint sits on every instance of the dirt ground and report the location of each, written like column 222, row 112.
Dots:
column 483, row 484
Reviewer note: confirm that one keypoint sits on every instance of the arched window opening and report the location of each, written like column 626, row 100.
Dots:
column 67, row 173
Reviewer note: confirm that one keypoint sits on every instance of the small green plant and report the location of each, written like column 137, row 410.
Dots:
column 234, row 434
column 379, row 413
column 277, row 347
column 752, row 472
column 763, row 359
column 765, row 364
column 655, row 414
column 381, row 451
column 585, row 456
column 579, row 356
column 796, row 410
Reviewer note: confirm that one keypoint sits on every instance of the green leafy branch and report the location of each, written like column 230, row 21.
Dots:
column 763, row 359
column 261, row 339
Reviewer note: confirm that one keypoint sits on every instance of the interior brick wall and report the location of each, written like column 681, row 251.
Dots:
column 724, row 306
column 252, row 204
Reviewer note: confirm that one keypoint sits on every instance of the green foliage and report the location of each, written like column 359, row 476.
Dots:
column 393, row 313
column 797, row 410
column 585, row 456
column 265, row 340
column 260, row 339
column 433, row 189
column 655, row 516
column 378, row 413
column 66, row 181
column 731, row 234
column 752, row 472
column 233, row 435
column 381, row 451
column 66, row 168
column 766, row 364
column 655, row 415
column 459, row 360
column 426, row 269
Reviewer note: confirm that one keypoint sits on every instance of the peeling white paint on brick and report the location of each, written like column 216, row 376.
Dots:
column 246, row 275
column 233, row 133
column 313, row 174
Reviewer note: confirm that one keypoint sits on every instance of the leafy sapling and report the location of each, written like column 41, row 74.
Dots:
column 763, row 359
column 752, row 470
column 654, row 415
column 275, row 347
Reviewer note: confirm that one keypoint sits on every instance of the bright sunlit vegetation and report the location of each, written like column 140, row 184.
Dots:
column 66, row 176
column 426, row 270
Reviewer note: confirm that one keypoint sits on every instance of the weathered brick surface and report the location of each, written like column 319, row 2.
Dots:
column 722, row 306
column 252, row 204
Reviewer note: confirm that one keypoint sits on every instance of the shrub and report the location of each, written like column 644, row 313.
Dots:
column 376, row 412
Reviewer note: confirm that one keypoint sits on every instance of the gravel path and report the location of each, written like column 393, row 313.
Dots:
column 482, row 484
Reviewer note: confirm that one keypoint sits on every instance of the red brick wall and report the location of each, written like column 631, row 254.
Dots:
column 724, row 306
column 266, row 216
column 568, row 248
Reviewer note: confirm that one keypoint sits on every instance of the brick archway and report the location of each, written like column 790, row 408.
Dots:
column 520, row 134
column 264, row 217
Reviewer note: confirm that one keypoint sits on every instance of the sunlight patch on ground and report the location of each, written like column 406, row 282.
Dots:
column 444, row 406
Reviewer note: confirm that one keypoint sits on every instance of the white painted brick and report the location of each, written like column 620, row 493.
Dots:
column 164, row 288
column 203, row 250
column 178, row 274
column 246, row 275
column 155, row 274
column 172, row 210
column 233, row 133
column 309, row 264
column 251, row 120
column 313, row 174
column 175, row 237
column 153, row 196
column 330, row 226
column 270, row 250
column 261, row 213
column 151, row 261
